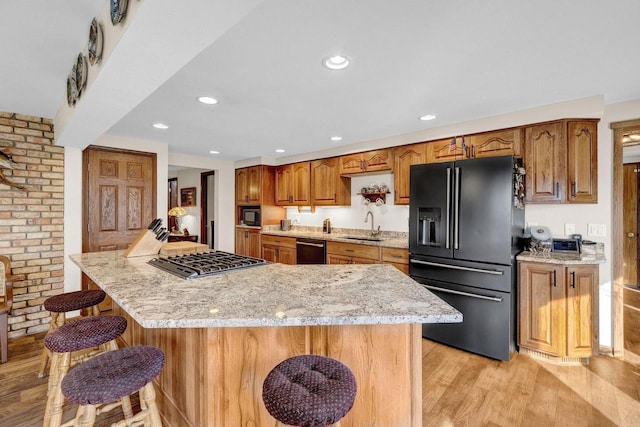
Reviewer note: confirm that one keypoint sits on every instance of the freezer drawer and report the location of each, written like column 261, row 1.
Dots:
column 488, row 326
column 467, row 273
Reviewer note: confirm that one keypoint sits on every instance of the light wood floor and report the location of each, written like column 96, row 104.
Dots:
column 459, row 389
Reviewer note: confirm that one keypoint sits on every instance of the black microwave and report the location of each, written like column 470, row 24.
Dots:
column 251, row 216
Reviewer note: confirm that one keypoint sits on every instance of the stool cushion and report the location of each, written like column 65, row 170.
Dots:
column 84, row 333
column 74, row 300
column 309, row 391
column 112, row 375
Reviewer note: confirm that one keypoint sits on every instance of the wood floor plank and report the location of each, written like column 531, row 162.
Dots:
column 459, row 389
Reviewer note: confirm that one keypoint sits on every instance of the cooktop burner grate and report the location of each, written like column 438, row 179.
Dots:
column 206, row 264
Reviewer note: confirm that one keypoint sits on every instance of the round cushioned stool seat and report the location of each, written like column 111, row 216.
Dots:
column 74, row 301
column 85, row 333
column 309, row 391
column 112, row 375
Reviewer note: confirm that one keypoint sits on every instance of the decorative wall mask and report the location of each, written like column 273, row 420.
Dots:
column 118, row 11
column 96, row 42
column 6, row 162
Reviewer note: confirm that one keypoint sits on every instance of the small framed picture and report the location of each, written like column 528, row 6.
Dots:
column 188, row 196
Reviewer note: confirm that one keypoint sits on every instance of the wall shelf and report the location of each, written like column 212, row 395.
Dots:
column 373, row 196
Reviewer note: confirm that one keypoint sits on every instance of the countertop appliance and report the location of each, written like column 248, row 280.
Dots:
column 251, row 216
column 311, row 251
column 204, row 264
column 465, row 229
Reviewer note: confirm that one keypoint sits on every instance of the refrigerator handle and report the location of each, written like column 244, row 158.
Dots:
column 447, row 238
column 456, row 210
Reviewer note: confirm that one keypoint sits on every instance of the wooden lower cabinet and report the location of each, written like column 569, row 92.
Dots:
column 558, row 310
column 351, row 253
column 397, row 257
column 248, row 242
column 279, row 249
column 213, row 376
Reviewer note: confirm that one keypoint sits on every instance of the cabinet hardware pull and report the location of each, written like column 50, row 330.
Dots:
column 573, row 189
column 246, row 234
column 290, row 199
column 448, row 192
column 465, row 294
column 317, row 245
column 349, row 250
column 557, row 191
column 554, row 279
column 573, row 279
column 458, row 267
column 335, row 196
column 456, row 211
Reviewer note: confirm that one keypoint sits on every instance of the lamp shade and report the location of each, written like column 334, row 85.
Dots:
column 177, row 211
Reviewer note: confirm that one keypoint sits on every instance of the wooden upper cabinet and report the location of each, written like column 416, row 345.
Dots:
column 293, row 184
column 499, row 143
column 404, row 157
column 545, row 157
column 328, row 188
column 249, row 185
column 370, row 161
column 442, row 151
column 582, row 162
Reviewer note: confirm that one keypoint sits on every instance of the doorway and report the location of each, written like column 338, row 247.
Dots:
column 207, row 221
column 623, row 133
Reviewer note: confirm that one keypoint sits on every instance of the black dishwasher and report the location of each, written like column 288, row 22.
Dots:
column 310, row 251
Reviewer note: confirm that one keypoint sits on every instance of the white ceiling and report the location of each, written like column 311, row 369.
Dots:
column 460, row 60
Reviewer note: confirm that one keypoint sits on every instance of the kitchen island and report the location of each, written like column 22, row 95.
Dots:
column 222, row 334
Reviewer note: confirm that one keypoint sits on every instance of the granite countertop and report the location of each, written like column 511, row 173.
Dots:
column 561, row 258
column 265, row 295
column 391, row 239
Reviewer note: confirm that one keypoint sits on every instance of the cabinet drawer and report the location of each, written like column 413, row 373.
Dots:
column 350, row 249
column 395, row 255
column 269, row 239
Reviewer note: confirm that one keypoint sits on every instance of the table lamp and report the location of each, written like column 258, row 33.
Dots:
column 178, row 211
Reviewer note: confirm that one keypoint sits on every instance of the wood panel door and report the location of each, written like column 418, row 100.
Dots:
column 581, row 284
column 630, row 224
column 283, row 185
column 120, row 196
column 582, row 162
column 404, row 157
column 545, row 159
column 499, row 143
column 328, row 188
column 301, row 183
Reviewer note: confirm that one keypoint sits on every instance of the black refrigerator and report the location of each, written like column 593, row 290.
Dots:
column 466, row 223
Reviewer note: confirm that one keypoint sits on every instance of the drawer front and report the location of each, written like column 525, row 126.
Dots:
column 632, row 298
column 395, row 255
column 350, row 249
column 268, row 239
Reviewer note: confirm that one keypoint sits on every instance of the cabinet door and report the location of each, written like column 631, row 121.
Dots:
column 338, row 259
column 404, row 157
column 254, row 183
column 581, row 284
column 287, row 256
column 248, row 242
column 242, row 185
column 582, row 159
column 301, row 184
column 351, row 163
column 443, row 151
column 542, row 314
column 378, row 160
column 283, row 185
column 269, row 253
column 328, row 188
column 545, row 157
column 500, row 143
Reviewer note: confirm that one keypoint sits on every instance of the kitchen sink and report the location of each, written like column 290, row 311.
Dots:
column 368, row 239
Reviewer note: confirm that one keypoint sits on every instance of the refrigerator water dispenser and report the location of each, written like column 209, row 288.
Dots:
column 428, row 225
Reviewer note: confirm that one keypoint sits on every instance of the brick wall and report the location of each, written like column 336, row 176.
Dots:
column 31, row 222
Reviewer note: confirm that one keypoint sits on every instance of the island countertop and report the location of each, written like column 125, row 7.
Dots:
column 265, row 295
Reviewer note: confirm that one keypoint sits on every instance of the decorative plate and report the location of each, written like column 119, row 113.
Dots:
column 72, row 90
column 95, row 42
column 118, row 11
column 81, row 70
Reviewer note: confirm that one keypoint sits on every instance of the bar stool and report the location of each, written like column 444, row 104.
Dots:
column 79, row 336
column 58, row 305
column 309, row 391
column 112, row 376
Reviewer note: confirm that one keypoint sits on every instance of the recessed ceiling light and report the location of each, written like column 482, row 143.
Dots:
column 279, row 150
column 214, row 152
column 207, row 100
column 336, row 62
column 336, row 138
column 427, row 117
column 160, row 126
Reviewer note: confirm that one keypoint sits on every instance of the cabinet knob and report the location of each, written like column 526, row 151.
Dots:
column 630, row 235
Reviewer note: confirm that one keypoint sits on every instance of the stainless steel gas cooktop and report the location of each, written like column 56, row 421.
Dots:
column 206, row 264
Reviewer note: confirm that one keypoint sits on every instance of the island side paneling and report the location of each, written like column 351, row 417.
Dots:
column 213, row 376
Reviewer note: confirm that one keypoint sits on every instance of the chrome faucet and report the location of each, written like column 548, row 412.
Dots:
column 373, row 232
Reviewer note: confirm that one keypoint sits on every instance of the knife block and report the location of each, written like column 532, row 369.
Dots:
column 145, row 244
